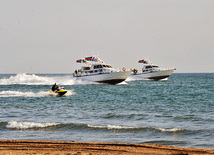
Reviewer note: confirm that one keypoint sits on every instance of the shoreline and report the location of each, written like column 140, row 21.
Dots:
column 91, row 148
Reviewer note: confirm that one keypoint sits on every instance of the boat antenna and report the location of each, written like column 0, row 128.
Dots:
column 98, row 53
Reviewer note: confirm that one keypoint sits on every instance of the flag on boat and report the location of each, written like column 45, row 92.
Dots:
column 92, row 58
column 144, row 61
column 141, row 61
column 88, row 58
column 80, row 61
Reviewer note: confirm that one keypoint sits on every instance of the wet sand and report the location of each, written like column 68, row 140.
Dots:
column 11, row 147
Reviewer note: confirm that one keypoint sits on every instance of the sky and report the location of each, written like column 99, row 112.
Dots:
column 38, row 36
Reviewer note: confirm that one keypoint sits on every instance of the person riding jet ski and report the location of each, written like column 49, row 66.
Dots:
column 59, row 90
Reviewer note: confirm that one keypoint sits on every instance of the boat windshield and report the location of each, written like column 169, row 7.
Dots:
column 98, row 66
column 153, row 66
column 101, row 66
column 148, row 67
column 86, row 68
column 107, row 66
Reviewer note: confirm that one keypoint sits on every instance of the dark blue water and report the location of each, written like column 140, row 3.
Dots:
column 177, row 112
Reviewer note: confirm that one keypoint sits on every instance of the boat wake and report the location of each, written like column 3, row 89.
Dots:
column 26, row 79
column 33, row 79
column 11, row 93
column 137, row 78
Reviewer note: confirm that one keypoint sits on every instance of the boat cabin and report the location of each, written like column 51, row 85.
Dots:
column 149, row 68
column 94, row 69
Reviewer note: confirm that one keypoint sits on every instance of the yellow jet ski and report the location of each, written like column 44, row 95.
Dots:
column 60, row 91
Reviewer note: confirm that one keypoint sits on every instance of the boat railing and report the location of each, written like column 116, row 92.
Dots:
column 163, row 69
column 93, row 72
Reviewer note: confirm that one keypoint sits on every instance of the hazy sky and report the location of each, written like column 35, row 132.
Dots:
column 48, row 36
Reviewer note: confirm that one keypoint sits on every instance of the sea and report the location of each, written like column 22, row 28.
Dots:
column 178, row 111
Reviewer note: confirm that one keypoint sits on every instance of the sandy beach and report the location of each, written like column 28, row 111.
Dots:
column 8, row 147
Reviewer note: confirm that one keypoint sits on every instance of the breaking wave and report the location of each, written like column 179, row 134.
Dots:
column 111, row 127
column 169, row 130
column 78, row 126
column 118, row 127
column 28, row 125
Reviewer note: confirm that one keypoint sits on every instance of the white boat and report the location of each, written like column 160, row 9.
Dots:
column 94, row 69
column 152, row 72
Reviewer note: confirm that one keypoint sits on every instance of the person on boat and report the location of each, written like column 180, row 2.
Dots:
column 135, row 71
column 55, row 87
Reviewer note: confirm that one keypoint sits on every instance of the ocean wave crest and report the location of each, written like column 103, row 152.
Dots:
column 111, row 127
column 118, row 127
column 28, row 125
column 169, row 130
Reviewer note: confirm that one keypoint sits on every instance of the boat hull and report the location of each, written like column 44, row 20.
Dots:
column 59, row 92
column 109, row 78
column 158, row 75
